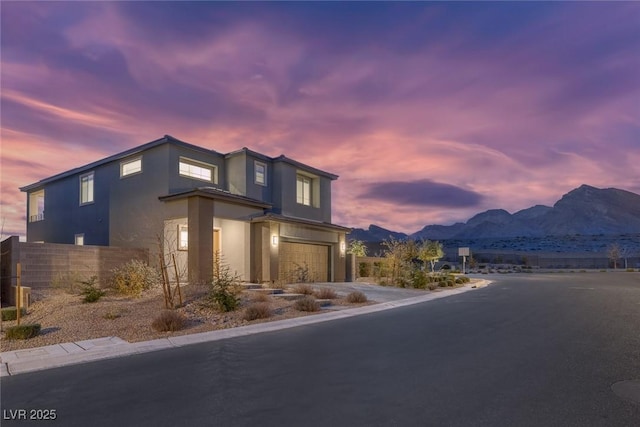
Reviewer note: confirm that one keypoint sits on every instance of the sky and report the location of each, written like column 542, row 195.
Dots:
column 429, row 112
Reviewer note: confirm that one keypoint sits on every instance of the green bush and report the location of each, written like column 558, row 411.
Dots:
column 442, row 283
column 356, row 297
column 168, row 321
column 224, row 289
column 11, row 313
column 419, row 279
column 133, row 278
column 630, row 270
column 307, row 303
column 364, row 269
column 22, row 332
column 91, row 291
column 432, row 286
column 259, row 310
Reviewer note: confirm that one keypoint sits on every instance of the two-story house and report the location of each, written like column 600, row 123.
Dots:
column 269, row 218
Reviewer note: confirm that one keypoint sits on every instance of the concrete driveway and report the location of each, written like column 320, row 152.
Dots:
column 373, row 292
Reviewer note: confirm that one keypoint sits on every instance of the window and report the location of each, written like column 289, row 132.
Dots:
column 131, row 167
column 79, row 239
column 36, row 206
column 303, row 190
column 261, row 173
column 86, row 188
column 197, row 170
column 183, row 238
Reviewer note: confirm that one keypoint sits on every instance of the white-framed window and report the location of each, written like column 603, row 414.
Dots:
column 303, row 189
column 79, row 239
column 36, row 206
column 260, row 173
column 130, row 167
column 86, row 188
column 198, row 170
column 183, row 237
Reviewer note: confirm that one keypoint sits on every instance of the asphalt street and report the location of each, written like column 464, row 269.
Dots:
column 529, row 350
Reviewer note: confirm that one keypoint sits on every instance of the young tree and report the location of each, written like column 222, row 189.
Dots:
column 357, row 248
column 614, row 254
column 430, row 252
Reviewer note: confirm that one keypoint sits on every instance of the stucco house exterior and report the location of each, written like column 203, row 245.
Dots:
column 266, row 216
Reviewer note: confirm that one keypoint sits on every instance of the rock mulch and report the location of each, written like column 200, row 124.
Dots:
column 65, row 318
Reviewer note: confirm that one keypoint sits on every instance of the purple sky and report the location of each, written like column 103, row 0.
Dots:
column 429, row 111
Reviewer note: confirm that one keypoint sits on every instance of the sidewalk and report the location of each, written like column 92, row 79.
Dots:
column 53, row 356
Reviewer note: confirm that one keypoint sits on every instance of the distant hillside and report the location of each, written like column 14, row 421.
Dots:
column 374, row 234
column 585, row 210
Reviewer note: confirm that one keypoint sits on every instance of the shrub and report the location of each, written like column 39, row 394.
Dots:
column 356, row 297
column 303, row 289
column 432, row 286
column 133, row 278
column 90, row 290
column 630, row 270
column 364, row 269
column 225, row 286
column 111, row 315
column 167, row 321
column 301, row 273
column 11, row 313
column 260, row 297
column 326, row 293
column 442, row 283
column 260, row 310
column 307, row 303
column 22, row 332
column 419, row 279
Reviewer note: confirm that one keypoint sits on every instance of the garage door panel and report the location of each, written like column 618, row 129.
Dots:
column 295, row 257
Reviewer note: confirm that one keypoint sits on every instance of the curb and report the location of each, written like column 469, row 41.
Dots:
column 58, row 355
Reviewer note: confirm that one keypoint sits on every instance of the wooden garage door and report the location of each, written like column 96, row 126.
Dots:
column 296, row 258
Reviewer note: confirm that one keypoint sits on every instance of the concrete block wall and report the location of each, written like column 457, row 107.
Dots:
column 44, row 263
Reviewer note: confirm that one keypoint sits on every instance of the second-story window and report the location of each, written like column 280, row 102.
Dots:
column 197, row 170
column 131, row 167
column 303, row 190
column 260, row 173
column 36, row 206
column 86, row 188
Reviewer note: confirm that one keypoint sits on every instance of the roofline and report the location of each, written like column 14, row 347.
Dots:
column 165, row 140
column 281, row 218
column 216, row 194
column 118, row 156
column 284, row 159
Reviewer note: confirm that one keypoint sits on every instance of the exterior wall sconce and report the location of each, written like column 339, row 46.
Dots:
column 343, row 248
column 274, row 240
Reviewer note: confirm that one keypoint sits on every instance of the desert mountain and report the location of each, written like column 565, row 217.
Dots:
column 585, row 210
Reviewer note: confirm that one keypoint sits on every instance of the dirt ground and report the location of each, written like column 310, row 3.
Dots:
column 64, row 317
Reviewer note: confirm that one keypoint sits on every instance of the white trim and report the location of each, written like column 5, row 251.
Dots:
column 183, row 244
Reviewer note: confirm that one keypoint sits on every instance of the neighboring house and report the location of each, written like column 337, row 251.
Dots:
column 269, row 218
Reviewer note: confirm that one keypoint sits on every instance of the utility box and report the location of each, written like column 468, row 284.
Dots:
column 25, row 296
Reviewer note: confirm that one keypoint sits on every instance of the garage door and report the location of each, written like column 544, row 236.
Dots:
column 300, row 261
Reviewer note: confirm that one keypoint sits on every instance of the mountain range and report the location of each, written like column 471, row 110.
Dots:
column 585, row 210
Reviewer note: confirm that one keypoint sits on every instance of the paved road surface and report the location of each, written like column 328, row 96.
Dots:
column 530, row 350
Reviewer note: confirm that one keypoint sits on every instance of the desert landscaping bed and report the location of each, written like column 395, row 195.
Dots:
column 65, row 317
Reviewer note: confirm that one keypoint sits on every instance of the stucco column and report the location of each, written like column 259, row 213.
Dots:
column 200, row 251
